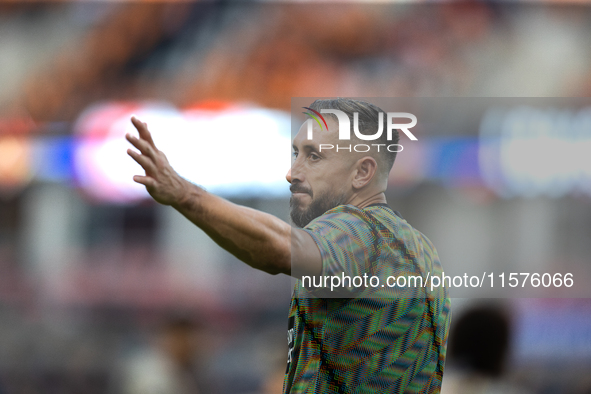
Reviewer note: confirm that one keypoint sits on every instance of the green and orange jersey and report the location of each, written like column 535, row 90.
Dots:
column 373, row 339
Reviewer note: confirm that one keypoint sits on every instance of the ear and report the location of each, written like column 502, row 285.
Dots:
column 365, row 171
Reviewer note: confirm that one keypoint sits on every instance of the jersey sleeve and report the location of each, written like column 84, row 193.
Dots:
column 346, row 242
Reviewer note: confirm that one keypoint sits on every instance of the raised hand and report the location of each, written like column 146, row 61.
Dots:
column 161, row 180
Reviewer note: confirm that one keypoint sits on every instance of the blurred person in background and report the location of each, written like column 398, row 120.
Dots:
column 169, row 367
column 378, row 344
column 478, row 349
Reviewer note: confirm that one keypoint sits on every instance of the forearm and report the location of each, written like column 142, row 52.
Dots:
column 259, row 239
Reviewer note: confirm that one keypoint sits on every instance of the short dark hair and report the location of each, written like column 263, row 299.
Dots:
column 480, row 340
column 368, row 123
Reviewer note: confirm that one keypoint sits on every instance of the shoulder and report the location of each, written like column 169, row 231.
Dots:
column 373, row 215
column 339, row 213
column 347, row 218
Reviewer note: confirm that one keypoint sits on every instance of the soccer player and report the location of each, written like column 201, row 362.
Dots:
column 372, row 339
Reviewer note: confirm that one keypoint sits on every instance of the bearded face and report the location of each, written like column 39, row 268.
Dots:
column 303, row 211
column 320, row 180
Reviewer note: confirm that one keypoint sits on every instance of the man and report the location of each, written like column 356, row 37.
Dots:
column 371, row 340
column 169, row 366
column 478, row 366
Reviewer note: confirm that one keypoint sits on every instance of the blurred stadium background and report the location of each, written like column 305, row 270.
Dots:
column 91, row 270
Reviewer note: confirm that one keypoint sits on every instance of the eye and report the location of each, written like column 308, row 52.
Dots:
column 294, row 154
column 314, row 157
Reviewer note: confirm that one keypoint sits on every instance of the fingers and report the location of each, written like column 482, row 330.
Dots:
column 142, row 128
column 147, row 158
column 142, row 146
column 144, row 180
column 144, row 161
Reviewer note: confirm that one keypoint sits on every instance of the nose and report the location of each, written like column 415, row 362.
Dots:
column 288, row 175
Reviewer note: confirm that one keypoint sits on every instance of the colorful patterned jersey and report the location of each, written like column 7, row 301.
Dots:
column 374, row 338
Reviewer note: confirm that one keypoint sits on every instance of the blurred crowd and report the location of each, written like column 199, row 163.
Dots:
column 58, row 58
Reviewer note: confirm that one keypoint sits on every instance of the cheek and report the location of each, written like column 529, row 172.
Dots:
column 324, row 187
column 330, row 174
column 335, row 178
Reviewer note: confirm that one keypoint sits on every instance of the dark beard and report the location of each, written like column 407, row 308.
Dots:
column 301, row 217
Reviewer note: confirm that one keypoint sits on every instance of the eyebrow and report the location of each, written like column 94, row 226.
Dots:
column 309, row 147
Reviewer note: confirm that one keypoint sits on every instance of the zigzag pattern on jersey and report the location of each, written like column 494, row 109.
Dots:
column 399, row 245
column 406, row 341
column 373, row 250
column 375, row 345
column 306, row 371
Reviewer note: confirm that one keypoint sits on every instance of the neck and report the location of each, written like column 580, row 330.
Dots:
column 362, row 201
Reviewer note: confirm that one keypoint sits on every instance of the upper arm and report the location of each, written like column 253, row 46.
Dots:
column 334, row 244
column 305, row 255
